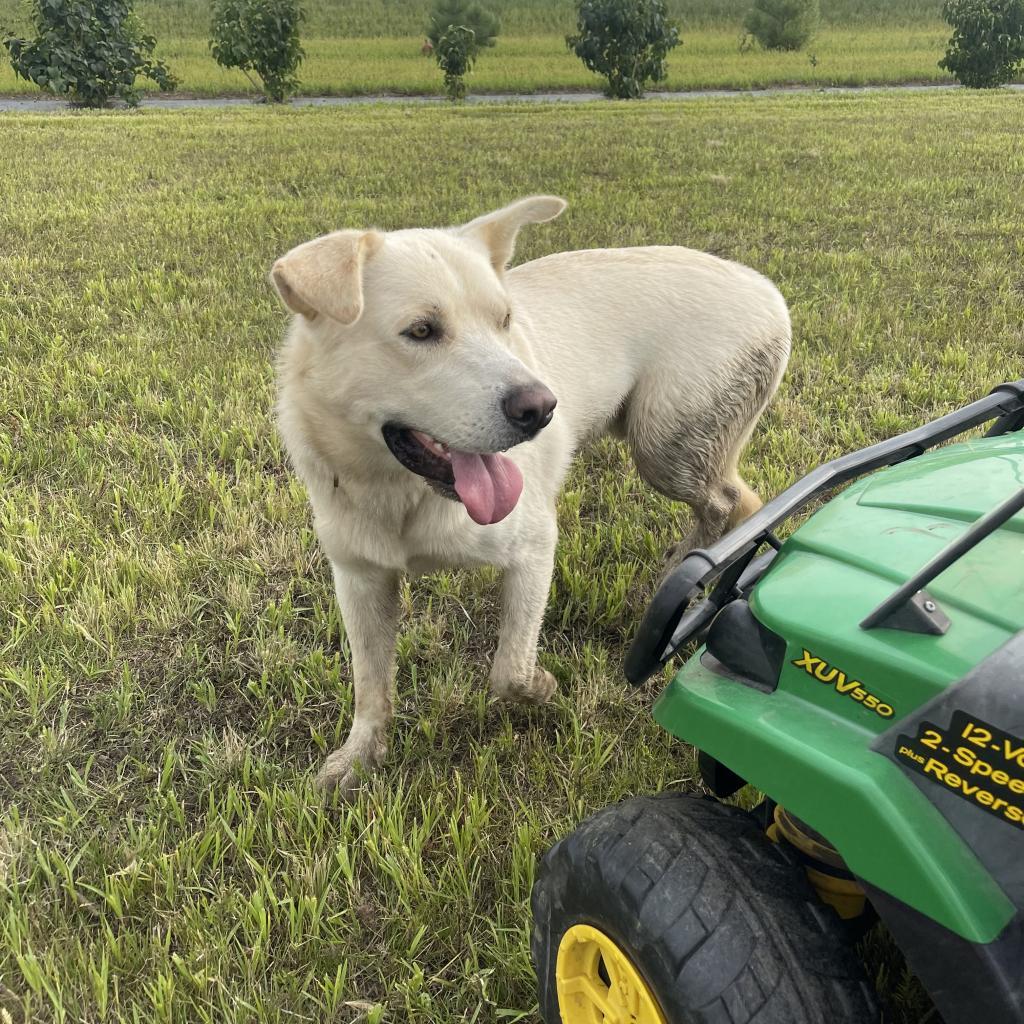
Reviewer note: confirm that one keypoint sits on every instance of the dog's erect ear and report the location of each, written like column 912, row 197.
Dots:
column 326, row 275
column 498, row 230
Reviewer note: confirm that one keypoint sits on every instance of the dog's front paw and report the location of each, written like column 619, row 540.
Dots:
column 537, row 689
column 361, row 753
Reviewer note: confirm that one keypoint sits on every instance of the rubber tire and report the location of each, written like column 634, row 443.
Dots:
column 721, row 922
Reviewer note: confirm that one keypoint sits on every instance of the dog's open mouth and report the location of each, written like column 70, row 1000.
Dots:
column 488, row 484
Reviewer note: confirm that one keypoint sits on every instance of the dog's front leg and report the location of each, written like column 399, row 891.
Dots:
column 368, row 599
column 515, row 674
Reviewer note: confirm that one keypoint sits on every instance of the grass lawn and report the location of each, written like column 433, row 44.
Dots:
column 171, row 661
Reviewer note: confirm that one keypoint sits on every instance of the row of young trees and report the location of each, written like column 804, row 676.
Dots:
column 94, row 50
column 627, row 41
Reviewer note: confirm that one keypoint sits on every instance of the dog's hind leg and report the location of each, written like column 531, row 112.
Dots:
column 689, row 448
column 368, row 599
column 515, row 674
column 725, row 503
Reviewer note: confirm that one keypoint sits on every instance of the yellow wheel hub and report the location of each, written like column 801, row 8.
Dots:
column 598, row 984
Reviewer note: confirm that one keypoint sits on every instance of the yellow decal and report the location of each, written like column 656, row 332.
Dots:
column 979, row 762
column 819, row 669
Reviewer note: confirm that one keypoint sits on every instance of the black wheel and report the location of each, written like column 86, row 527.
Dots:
column 716, row 922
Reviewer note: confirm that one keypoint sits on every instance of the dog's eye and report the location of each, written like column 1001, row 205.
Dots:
column 507, row 321
column 420, row 332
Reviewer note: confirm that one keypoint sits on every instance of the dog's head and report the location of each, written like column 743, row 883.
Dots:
column 411, row 344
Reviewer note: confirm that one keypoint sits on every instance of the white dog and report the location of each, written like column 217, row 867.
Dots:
column 418, row 391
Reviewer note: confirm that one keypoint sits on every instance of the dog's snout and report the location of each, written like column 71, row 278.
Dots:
column 530, row 408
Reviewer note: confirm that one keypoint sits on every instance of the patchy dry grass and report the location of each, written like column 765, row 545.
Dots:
column 171, row 660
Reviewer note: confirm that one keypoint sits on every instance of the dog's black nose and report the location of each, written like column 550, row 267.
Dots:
column 529, row 408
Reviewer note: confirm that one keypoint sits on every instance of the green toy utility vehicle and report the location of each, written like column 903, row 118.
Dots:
column 867, row 676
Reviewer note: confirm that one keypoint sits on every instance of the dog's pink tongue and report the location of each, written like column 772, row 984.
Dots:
column 489, row 485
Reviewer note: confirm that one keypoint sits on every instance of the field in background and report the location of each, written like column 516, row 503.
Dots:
column 373, row 46
column 710, row 58
column 347, row 18
column 171, row 661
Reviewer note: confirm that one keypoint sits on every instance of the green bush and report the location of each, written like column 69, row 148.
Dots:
column 87, row 50
column 783, row 24
column 467, row 13
column 458, row 30
column 455, row 52
column 261, row 36
column 626, row 41
column 987, row 45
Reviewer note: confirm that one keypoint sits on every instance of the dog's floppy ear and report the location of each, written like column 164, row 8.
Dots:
column 326, row 275
column 497, row 231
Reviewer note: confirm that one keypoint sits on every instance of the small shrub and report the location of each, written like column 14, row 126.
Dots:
column 455, row 57
column 261, row 36
column 87, row 50
column 457, row 31
column 987, row 45
column 783, row 24
column 626, row 41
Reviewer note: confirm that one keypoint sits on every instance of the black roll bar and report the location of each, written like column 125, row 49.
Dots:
column 666, row 626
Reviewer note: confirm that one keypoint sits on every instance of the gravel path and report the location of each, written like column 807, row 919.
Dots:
column 30, row 105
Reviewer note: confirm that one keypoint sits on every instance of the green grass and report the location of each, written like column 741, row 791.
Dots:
column 171, row 661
